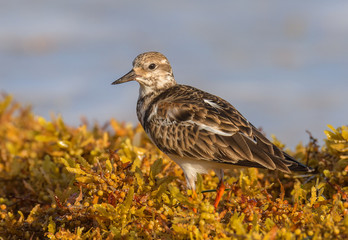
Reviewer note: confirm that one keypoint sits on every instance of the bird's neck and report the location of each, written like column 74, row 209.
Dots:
column 154, row 85
column 149, row 90
column 146, row 96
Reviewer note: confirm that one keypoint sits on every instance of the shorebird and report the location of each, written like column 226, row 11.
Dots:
column 198, row 130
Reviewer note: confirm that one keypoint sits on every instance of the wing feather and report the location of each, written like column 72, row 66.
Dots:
column 195, row 124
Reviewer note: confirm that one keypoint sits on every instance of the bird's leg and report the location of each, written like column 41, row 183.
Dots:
column 191, row 184
column 221, row 187
column 219, row 192
column 194, row 196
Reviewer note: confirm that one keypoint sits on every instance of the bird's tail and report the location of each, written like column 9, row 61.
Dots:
column 296, row 166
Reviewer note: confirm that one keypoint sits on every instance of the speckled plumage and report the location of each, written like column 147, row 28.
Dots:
column 198, row 130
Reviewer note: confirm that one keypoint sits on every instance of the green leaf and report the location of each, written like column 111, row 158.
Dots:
column 64, row 162
column 106, row 210
column 140, row 212
column 199, row 184
column 175, row 192
column 83, row 162
column 162, row 185
column 236, row 222
column 129, row 199
column 140, row 178
column 16, row 167
column 165, row 180
column 269, row 224
column 156, row 168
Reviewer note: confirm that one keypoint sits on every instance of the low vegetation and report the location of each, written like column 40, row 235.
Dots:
column 110, row 182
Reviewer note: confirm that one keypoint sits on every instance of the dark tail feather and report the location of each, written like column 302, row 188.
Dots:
column 296, row 166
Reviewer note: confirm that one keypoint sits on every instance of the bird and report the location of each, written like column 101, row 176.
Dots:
column 198, row 130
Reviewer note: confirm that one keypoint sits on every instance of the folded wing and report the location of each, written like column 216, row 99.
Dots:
column 194, row 124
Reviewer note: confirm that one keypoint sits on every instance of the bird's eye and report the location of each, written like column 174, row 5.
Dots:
column 152, row 66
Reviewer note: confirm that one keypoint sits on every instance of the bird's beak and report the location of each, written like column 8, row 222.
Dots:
column 130, row 76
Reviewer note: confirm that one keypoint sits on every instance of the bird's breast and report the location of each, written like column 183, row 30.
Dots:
column 144, row 106
column 141, row 111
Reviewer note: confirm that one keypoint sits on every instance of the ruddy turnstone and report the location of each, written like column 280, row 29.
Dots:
column 198, row 130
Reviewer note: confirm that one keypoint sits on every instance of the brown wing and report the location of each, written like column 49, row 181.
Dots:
column 191, row 123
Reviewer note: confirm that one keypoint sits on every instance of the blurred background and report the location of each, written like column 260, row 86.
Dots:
column 282, row 64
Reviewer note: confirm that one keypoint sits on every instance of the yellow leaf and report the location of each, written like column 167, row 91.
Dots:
column 21, row 219
column 63, row 144
column 51, row 226
column 345, row 133
column 108, row 165
column 32, row 216
column 329, row 134
column 124, row 159
column 341, row 147
column 64, row 162
column 83, row 162
column 41, row 120
column 61, row 123
column 180, row 229
column 139, row 176
column 129, row 199
column 45, row 138
column 76, row 170
column 236, row 222
column 336, row 216
column 313, row 198
column 332, row 128
column 269, row 224
column 326, row 173
column 139, row 150
column 199, row 184
column 84, row 179
column 106, row 210
column 5, row 103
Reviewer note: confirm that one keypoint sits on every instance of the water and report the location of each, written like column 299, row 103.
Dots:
column 282, row 64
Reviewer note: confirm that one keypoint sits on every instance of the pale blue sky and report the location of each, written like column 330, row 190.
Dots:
column 282, row 64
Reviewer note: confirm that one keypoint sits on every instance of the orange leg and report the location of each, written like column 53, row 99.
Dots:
column 219, row 191
column 194, row 196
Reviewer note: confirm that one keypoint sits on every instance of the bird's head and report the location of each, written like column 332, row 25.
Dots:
column 152, row 71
